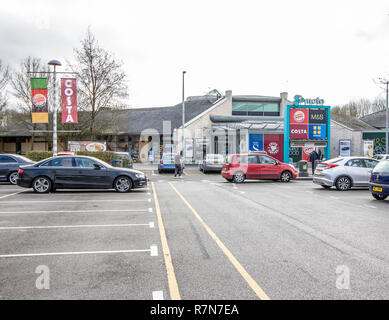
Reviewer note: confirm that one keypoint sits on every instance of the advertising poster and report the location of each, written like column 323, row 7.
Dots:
column 188, row 148
column 96, row 146
column 273, row 145
column 69, row 100
column 344, row 148
column 368, row 148
column 256, row 142
column 299, row 116
column 39, row 100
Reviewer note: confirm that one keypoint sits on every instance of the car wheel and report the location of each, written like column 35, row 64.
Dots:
column 41, row 185
column 379, row 196
column 12, row 178
column 122, row 184
column 326, row 187
column 238, row 177
column 343, row 183
column 286, row 176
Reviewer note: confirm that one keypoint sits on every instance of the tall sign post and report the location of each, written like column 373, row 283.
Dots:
column 307, row 126
column 54, row 63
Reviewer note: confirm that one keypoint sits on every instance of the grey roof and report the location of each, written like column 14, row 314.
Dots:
column 217, row 118
column 134, row 121
column 256, row 98
column 351, row 122
column 376, row 119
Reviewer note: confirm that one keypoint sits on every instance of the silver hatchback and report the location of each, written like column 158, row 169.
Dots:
column 344, row 172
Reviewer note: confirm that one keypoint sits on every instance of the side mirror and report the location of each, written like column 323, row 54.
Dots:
column 97, row 167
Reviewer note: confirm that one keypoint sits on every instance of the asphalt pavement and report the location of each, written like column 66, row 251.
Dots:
column 195, row 237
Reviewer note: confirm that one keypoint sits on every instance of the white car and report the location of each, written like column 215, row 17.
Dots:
column 381, row 157
column 344, row 172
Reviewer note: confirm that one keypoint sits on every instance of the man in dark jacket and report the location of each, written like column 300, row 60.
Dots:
column 313, row 156
column 178, row 161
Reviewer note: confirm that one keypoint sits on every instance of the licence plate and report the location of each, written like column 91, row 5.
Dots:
column 378, row 189
column 318, row 171
column 171, row 162
column 216, row 162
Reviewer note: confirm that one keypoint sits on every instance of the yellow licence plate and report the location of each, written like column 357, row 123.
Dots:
column 216, row 162
column 171, row 162
column 317, row 171
column 378, row 189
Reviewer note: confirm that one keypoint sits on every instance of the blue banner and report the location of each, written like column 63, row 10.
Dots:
column 256, row 142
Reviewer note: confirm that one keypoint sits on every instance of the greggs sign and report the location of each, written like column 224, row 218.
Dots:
column 69, row 100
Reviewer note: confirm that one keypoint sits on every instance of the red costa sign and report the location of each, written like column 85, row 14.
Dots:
column 69, row 100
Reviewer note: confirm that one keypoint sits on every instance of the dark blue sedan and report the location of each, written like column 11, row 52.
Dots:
column 379, row 181
column 9, row 166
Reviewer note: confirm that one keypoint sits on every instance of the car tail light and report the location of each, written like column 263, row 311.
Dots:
column 330, row 165
column 20, row 171
column 161, row 161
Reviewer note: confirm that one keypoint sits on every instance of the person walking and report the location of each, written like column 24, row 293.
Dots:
column 313, row 156
column 178, row 161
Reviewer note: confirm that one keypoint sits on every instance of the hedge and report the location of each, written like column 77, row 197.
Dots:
column 38, row 155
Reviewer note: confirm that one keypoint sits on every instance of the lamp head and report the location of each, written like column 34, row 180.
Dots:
column 54, row 63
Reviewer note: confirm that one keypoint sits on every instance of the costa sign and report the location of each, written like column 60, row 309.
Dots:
column 69, row 100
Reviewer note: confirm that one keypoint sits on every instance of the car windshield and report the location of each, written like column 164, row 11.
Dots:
column 382, row 167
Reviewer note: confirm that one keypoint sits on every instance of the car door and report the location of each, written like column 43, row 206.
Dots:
column 269, row 168
column 357, row 170
column 91, row 174
column 249, row 165
column 370, row 164
column 64, row 171
column 7, row 164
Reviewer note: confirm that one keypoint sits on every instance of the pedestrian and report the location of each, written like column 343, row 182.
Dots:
column 313, row 156
column 320, row 155
column 178, row 161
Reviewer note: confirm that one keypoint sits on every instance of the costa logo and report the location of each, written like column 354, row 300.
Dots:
column 299, row 131
column 273, row 148
column 39, row 100
column 299, row 116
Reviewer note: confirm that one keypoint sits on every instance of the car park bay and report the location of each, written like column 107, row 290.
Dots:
column 254, row 240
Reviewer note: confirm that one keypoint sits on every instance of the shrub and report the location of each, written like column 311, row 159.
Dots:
column 38, row 155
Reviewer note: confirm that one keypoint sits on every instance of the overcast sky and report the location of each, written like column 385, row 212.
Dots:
column 328, row 49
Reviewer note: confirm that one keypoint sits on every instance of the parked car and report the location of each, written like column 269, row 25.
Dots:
column 212, row 162
column 78, row 172
column 381, row 157
column 166, row 163
column 129, row 160
column 9, row 166
column 344, row 172
column 240, row 167
column 379, row 181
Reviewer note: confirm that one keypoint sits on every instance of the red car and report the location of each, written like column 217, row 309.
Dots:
column 240, row 167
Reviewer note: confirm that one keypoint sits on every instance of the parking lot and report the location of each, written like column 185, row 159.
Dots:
column 218, row 240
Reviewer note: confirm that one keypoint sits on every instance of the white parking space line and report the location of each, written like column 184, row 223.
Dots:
column 151, row 250
column 154, row 250
column 76, row 211
column 12, row 194
column 158, row 295
column 80, row 226
column 73, row 201
column 369, row 206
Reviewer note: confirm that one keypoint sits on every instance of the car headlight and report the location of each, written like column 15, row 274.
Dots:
column 140, row 175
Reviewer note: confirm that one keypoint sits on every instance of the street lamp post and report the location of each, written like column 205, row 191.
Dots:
column 183, row 113
column 54, row 63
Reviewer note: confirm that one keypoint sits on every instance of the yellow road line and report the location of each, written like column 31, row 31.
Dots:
column 184, row 172
column 246, row 276
column 171, row 276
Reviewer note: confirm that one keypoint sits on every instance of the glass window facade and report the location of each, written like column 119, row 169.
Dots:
column 252, row 108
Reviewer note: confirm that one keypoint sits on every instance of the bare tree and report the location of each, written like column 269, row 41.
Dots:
column 101, row 82
column 20, row 82
column 4, row 79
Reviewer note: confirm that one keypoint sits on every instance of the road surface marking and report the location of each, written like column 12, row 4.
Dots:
column 172, row 281
column 157, row 295
column 369, row 206
column 74, row 201
column 250, row 281
column 78, row 226
column 154, row 250
column 187, row 174
column 71, row 253
column 151, row 225
column 11, row 194
column 150, row 210
column 76, row 211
